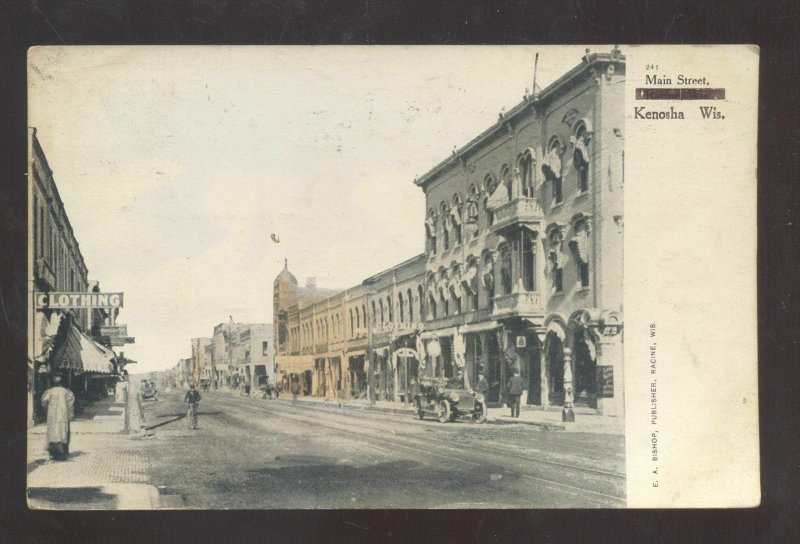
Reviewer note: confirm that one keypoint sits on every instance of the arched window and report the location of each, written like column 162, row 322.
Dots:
column 445, row 210
column 401, row 307
column 365, row 323
column 455, row 219
column 380, row 306
column 552, row 167
column 432, row 306
column 352, row 324
column 390, row 308
column 358, row 319
column 580, row 248
column 374, row 313
column 555, row 262
column 580, row 157
column 491, row 185
column 472, row 204
column 507, row 180
column 410, row 306
column 421, row 296
column 430, row 231
column 525, row 167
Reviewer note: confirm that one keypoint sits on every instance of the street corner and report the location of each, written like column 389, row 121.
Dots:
column 117, row 496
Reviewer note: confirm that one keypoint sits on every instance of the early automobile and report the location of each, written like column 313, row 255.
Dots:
column 448, row 402
column 148, row 390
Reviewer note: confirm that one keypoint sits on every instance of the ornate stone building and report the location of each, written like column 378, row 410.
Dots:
column 522, row 267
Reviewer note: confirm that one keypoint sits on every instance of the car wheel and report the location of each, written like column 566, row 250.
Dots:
column 443, row 413
column 420, row 409
column 480, row 412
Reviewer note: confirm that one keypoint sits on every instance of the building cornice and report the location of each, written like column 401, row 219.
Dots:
column 507, row 120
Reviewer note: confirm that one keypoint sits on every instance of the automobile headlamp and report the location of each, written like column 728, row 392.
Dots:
column 479, row 397
column 454, row 396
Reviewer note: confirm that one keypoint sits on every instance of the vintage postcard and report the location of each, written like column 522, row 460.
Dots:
column 392, row 277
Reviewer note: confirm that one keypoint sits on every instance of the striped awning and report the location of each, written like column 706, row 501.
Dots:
column 80, row 353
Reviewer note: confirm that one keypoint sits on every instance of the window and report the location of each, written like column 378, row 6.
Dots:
column 472, row 204
column 508, row 181
column 491, row 185
column 580, row 157
column 265, row 347
column 455, row 219
column 401, row 307
column 380, row 305
column 505, row 269
column 525, row 166
column 410, row 306
column 580, row 248
column 358, row 319
column 35, row 226
column 432, row 306
column 421, row 297
column 445, row 226
column 552, row 167
column 390, row 308
column 430, row 231
column 364, row 314
column 555, row 260
column 528, row 262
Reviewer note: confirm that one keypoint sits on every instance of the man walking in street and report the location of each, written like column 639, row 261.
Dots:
column 192, row 399
column 60, row 404
column 515, row 387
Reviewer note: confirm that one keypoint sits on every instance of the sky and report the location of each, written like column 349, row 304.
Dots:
column 176, row 165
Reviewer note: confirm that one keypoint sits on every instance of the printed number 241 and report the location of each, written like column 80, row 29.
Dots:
column 651, row 66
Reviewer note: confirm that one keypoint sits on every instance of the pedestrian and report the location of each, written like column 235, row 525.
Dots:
column 60, row 404
column 192, row 399
column 482, row 386
column 295, row 389
column 515, row 387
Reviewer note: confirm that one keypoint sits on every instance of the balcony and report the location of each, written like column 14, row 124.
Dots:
column 519, row 211
column 524, row 304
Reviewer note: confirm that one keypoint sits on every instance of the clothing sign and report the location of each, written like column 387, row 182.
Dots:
column 66, row 300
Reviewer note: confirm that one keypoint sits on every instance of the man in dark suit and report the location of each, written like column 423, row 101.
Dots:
column 515, row 387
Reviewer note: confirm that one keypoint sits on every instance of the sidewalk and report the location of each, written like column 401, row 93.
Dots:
column 585, row 420
column 106, row 469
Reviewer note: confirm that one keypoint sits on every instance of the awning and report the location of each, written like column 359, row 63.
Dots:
column 81, row 353
column 46, row 329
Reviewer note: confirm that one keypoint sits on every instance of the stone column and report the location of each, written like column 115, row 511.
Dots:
column 567, row 414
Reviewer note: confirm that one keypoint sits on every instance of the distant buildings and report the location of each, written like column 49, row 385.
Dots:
column 522, row 269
